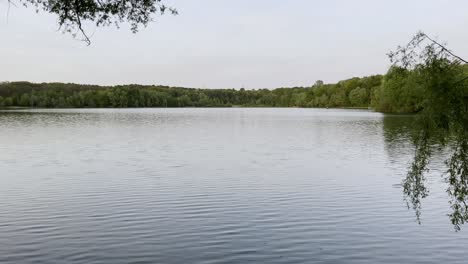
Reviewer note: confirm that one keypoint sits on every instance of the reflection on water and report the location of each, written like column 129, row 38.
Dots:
column 398, row 131
column 214, row 186
column 398, row 136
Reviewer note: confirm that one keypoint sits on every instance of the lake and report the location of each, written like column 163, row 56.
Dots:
column 220, row 185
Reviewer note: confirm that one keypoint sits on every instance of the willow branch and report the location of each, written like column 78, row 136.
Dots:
column 445, row 49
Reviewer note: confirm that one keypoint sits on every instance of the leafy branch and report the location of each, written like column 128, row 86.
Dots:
column 72, row 14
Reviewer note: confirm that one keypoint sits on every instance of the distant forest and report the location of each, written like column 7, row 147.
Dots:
column 397, row 91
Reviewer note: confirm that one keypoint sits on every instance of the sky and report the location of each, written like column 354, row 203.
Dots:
column 229, row 44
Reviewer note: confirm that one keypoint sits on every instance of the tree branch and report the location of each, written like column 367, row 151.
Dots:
column 444, row 48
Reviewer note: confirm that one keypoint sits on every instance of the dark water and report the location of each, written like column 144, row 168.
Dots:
column 214, row 186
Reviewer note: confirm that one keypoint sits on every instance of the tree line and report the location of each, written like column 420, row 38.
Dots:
column 354, row 92
column 397, row 91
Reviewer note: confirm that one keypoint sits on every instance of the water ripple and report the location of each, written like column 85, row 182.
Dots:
column 212, row 186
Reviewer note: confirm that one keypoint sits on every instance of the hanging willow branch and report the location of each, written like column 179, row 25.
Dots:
column 73, row 14
column 443, row 121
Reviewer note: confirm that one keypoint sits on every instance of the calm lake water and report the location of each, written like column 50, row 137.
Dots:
column 215, row 186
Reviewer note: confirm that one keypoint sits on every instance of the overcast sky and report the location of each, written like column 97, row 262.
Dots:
column 230, row 44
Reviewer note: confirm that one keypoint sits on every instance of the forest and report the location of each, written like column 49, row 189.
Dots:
column 398, row 91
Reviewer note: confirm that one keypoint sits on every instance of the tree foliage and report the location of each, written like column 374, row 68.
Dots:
column 354, row 92
column 73, row 14
column 442, row 121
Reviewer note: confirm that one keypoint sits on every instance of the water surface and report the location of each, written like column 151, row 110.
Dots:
column 214, row 186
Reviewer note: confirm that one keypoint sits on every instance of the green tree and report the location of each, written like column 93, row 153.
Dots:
column 442, row 121
column 358, row 97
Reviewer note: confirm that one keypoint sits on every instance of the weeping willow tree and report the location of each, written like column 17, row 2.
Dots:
column 73, row 14
column 442, row 122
